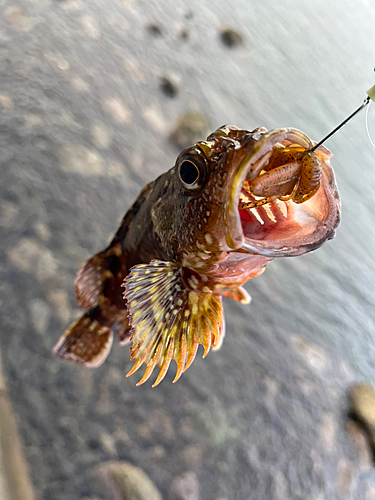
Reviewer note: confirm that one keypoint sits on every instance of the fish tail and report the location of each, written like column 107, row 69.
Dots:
column 87, row 341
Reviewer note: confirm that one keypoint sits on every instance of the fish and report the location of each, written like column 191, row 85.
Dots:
column 186, row 243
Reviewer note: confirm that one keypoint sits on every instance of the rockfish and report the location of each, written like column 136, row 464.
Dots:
column 189, row 239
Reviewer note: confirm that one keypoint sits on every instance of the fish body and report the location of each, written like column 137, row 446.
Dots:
column 184, row 244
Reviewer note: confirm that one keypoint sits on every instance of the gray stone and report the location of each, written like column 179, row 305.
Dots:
column 184, row 487
column 362, row 406
column 60, row 302
column 40, row 315
column 6, row 102
column 190, row 128
column 80, row 160
column 313, row 355
column 128, row 482
column 231, row 38
column 362, row 399
column 169, row 85
column 8, row 214
column 101, row 135
column 19, row 19
column 117, row 109
column 29, row 256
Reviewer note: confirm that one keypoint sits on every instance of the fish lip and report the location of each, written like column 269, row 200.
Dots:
column 235, row 238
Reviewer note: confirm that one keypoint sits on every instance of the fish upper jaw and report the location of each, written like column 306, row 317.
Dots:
column 280, row 228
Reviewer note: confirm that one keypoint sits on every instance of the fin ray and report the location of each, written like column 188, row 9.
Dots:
column 122, row 329
column 181, row 357
column 168, row 321
column 165, row 365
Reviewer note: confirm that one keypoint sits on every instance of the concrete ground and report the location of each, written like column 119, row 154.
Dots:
column 90, row 93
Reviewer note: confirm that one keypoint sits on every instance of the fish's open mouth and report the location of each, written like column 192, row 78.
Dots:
column 281, row 228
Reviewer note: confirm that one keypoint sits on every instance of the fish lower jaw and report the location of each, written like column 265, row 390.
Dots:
column 284, row 228
column 279, row 228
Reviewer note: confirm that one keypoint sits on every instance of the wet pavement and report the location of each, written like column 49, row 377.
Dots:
column 90, row 94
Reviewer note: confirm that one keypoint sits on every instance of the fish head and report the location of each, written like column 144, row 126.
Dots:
column 201, row 213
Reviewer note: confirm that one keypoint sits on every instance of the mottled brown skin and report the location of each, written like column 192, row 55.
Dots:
column 184, row 244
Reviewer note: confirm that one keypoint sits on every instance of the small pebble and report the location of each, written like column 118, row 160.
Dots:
column 40, row 314
column 362, row 446
column 231, row 38
column 29, row 256
column 128, row 482
column 59, row 299
column 184, row 34
column 184, row 487
column 362, row 408
column 155, row 30
column 169, row 85
column 189, row 129
column 344, row 477
column 6, row 102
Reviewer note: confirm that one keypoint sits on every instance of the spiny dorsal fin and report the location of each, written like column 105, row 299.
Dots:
column 168, row 320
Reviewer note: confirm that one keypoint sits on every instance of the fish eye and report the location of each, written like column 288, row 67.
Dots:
column 191, row 172
column 188, row 172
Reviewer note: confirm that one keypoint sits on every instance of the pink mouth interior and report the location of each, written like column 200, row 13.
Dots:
column 286, row 227
column 269, row 221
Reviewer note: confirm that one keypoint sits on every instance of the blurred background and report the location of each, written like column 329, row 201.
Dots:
column 97, row 98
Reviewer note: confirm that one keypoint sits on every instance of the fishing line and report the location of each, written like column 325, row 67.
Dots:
column 367, row 127
column 365, row 103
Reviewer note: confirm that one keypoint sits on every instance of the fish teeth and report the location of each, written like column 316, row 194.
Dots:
column 256, row 214
column 283, row 208
column 244, row 198
column 269, row 213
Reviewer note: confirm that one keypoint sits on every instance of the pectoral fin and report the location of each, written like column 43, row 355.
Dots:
column 122, row 329
column 169, row 321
